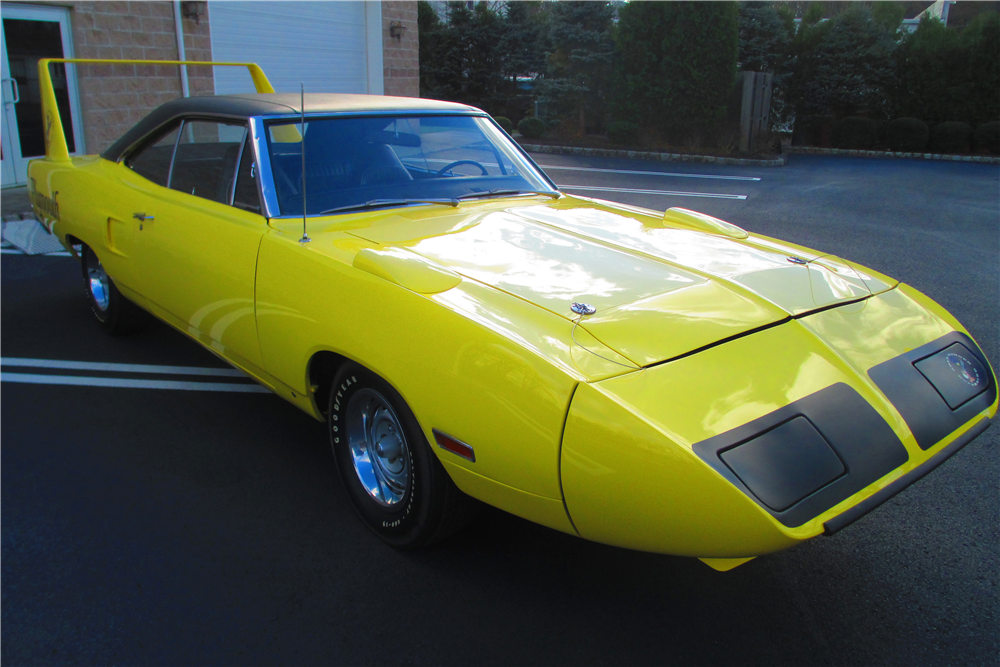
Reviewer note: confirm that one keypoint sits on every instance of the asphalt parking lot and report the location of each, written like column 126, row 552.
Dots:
column 195, row 525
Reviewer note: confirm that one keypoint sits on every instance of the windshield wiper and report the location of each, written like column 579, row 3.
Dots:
column 377, row 203
column 501, row 193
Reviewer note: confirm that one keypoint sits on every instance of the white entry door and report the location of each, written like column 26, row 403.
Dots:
column 30, row 34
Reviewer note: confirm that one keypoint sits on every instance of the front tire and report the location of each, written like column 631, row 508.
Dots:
column 398, row 487
column 113, row 312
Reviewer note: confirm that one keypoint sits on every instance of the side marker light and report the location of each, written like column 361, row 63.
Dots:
column 454, row 446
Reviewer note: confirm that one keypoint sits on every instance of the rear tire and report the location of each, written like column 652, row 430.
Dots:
column 115, row 313
column 398, row 487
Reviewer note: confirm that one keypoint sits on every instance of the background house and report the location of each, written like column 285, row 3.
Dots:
column 341, row 47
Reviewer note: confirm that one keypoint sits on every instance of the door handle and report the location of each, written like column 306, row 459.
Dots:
column 142, row 217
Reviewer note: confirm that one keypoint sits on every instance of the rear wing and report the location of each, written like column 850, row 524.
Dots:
column 55, row 139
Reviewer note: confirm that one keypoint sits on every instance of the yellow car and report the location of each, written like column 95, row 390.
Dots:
column 401, row 269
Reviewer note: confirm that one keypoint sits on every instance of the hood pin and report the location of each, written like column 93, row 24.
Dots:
column 583, row 309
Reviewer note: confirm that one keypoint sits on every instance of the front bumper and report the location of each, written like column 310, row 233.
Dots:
column 752, row 446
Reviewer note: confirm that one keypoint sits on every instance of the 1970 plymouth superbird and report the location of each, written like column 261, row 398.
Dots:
column 402, row 269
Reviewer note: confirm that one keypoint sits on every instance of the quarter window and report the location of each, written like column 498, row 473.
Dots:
column 153, row 161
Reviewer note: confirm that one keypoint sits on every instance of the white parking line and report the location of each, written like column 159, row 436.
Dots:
column 649, row 173
column 132, row 384
column 711, row 195
column 15, row 251
column 119, row 368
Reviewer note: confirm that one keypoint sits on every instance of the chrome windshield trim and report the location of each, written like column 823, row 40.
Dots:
column 374, row 114
column 265, row 181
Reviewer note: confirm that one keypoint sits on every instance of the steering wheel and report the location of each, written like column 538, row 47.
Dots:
column 449, row 167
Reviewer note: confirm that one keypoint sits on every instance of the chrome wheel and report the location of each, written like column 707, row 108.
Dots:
column 98, row 283
column 378, row 447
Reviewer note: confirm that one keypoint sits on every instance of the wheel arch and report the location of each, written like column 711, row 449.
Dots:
column 320, row 371
column 72, row 242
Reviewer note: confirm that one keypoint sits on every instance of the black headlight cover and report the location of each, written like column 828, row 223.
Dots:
column 802, row 459
column 938, row 387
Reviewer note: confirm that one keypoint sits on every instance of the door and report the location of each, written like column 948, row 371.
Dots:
column 197, row 229
column 30, row 34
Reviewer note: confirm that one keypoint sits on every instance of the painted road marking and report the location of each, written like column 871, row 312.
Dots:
column 128, row 383
column 711, row 195
column 13, row 251
column 118, row 368
column 649, row 173
column 131, row 384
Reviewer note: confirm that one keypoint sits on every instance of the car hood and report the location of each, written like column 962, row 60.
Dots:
column 659, row 290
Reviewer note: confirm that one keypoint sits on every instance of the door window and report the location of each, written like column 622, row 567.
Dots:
column 245, row 195
column 205, row 160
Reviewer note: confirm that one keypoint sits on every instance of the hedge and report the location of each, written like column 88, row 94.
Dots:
column 988, row 137
column 951, row 137
column 623, row 133
column 907, row 134
column 505, row 123
column 855, row 133
column 531, row 128
column 812, row 131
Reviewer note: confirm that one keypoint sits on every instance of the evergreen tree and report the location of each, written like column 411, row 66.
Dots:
column 766, row 33
column 676, row 63
column 844, row 66
column 578, row 68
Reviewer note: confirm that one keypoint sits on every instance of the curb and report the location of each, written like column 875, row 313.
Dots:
column 891, row 154
column 655, row 156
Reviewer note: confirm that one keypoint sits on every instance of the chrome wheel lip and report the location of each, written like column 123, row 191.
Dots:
column 98, row 283
column 378, row 449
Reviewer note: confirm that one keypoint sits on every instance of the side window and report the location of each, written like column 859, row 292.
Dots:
column 153, row 161
column 205, row 164
column 245, row 196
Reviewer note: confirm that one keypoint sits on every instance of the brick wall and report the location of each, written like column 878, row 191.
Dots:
column 113, row 98
column 400, row 57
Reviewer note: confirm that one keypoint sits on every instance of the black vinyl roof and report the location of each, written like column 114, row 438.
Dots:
column 274, row 104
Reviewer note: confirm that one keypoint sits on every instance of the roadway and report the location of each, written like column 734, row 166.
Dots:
column 200, row 523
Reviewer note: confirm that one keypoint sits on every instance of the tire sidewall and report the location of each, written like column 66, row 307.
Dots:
column 404, row 524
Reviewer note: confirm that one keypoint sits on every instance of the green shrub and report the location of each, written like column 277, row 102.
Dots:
column 951, row 137
column 812, row 131
column 881, row 134
column 907, row 135
column 531, row 128
column 623, row 133
column 854, row 133
column 505, row 123
column 988, row 137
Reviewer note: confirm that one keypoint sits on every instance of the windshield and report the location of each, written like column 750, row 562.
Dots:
column 351, row 161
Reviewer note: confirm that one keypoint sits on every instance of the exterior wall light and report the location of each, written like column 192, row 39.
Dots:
column 193, row 9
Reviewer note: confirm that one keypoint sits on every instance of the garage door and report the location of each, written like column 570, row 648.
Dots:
column 332, row 47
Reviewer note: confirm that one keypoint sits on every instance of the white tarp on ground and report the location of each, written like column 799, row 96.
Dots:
column 30, row 237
